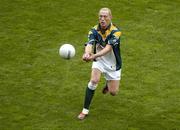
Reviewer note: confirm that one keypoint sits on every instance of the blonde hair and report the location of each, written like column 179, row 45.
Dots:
column 106, row 9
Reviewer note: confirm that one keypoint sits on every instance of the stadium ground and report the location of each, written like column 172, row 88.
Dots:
column 41, row 91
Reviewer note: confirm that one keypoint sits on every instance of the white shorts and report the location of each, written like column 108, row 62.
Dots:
column 108, row 74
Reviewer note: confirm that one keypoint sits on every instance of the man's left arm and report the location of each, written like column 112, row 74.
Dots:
column 104, row 51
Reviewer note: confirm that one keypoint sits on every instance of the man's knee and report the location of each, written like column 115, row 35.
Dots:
column 113, row 93
column 113, row 87
column 94, row 81
column 92, row 86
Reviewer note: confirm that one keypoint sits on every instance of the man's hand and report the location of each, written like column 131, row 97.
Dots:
column 92, row 57
column 88, row 57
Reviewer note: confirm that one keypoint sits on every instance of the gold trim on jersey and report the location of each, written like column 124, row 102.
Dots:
column 107, row 32
column 117, row 34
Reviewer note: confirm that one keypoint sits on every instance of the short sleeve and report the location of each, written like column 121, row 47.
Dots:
column 115, row 38
column 91, row 37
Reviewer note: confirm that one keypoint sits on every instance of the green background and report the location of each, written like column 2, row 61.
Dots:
column 41, row 91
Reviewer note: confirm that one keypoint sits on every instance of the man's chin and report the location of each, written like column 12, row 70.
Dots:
column 103, row 26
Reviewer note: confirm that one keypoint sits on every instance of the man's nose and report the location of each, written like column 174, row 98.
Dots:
column 102, row 18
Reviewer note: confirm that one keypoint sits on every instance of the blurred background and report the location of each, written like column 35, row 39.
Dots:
column 40, row 90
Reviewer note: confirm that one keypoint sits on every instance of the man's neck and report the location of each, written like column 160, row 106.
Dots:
column 107, row 27
column 103, row 29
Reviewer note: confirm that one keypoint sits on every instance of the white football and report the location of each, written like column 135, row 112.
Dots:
column 67, row 51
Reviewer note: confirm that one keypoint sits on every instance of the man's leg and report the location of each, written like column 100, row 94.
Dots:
column 105, row 88
column 95, row 77
column 113, row 87
column 112, row 82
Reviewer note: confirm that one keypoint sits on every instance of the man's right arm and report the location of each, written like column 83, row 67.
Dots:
column 89, row 46
column 87, row 52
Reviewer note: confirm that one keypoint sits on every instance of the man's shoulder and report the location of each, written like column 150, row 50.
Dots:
column 95, row 27
column 115, row 31
column 115, row 28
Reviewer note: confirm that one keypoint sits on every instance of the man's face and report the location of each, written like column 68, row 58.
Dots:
column 104, row 18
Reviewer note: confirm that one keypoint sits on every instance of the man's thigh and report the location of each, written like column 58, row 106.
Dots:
column 95, row 75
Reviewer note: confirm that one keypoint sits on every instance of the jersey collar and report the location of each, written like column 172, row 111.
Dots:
column 103, row 30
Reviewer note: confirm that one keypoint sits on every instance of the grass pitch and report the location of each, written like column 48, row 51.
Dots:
column 39, row 90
